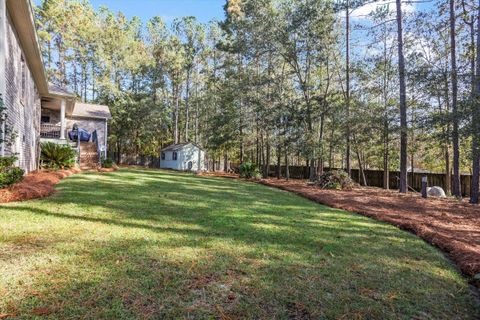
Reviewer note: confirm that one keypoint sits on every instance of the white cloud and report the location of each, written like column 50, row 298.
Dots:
column 362, row 13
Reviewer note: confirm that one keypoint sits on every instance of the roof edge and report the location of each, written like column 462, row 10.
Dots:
column 182, row 145
column 22, row 17
column 90, row 117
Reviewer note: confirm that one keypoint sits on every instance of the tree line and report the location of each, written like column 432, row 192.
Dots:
column 309, row 82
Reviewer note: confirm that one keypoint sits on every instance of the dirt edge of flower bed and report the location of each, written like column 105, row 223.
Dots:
column 468, row 262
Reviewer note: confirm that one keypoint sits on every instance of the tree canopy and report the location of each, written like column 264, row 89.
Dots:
column 281, row 82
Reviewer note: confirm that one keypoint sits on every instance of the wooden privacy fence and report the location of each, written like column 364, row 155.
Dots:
column 143, row 161
column 375, row 178
column 154, row 162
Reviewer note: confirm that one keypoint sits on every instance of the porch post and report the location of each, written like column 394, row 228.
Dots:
column 3, row 52
column 63, row 125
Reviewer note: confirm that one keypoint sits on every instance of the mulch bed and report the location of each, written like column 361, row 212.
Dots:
column 449, row 224
column 38, row 184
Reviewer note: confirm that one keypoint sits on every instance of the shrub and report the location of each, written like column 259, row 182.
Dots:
column 249, row 171
column 7, row 162
column 108, row 163
column 57, row 156
column 335, row 180
column 9, row 174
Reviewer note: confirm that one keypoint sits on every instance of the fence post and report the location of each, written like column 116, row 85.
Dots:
column 424, row 187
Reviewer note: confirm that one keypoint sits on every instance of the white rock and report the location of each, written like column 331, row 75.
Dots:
column 437, row 192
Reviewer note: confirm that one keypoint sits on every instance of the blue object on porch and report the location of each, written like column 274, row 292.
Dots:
column 84, row 135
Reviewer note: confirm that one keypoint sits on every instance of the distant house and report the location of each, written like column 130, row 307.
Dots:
column 35, row 109
column 183, row 157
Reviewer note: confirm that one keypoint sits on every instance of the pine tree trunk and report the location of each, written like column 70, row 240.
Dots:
column 347, row 102
column 93, row 82
column 257, row 144
column 225, row 162
column 386, row 165
column 361, row 173
column 176, row 138
column 266, row 167
column 320, row 161
column 311, row 169
column 197, row 111
column 287, row 169
column 119, row 153
column 472, row 59
column 187, row 100
column 448, row 171
column 412, row 165
column 403, row 102
column 457, row 192
column 474, row 197
column 279, row 162
column 386, row 134
column 331, row 159
column 75, row 78
column 85, row 81
column 242, row 150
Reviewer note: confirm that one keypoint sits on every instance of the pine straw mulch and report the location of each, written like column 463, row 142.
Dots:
column 449, row 224
column 38, row 184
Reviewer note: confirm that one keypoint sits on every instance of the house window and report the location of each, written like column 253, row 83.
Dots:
column 45, row 119
column 163, row 155
column 175, row 156
column 23, row 84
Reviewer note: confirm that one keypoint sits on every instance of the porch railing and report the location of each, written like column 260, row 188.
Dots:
column 50, row 131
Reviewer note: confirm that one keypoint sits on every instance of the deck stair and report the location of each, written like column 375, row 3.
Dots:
column 89, row 158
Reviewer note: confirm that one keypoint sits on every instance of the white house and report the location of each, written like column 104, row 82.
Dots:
column 183, row 157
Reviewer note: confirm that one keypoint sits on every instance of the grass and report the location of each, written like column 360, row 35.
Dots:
column 140, row 244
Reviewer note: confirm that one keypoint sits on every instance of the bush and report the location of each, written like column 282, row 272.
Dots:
column 108, row 163
column 249, row 171
column 57, row 156
column 7, row 162
column 9, row 174
column 335, row 180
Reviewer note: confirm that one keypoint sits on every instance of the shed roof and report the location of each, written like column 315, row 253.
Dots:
column 178, row 146
column 95, row 111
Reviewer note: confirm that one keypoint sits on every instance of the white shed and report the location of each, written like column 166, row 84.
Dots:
column 183, row 157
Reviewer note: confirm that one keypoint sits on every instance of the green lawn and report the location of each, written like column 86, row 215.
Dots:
column 139, row 244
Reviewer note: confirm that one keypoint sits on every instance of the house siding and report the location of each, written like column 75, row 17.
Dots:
column 23, row 115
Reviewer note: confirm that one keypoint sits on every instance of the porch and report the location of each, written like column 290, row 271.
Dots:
column 54, row 113
column 50, row 131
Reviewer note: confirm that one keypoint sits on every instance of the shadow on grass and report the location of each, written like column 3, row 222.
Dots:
column 157, row 244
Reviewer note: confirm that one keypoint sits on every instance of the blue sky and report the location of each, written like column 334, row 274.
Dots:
column 204, row 10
